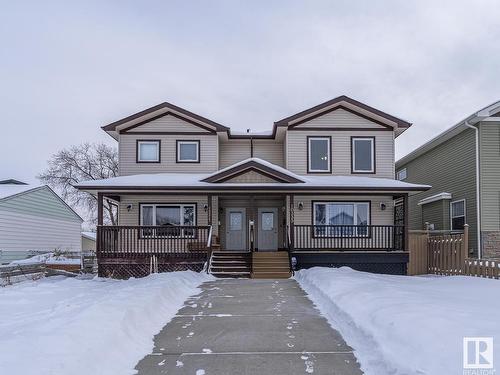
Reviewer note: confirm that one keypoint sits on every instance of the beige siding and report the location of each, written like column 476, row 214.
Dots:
column 168, row 123
column 250, row 177
column 127, row 155
column 88, row 244
column 378, row 217
column 233, row 151
column 269, row 150
column 490, row 175
column 341, row 151
column 132, row 217
column 340, row 118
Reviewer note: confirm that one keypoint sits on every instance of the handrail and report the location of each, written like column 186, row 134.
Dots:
column 209, row 240
column 209, row 249
column 288, row 248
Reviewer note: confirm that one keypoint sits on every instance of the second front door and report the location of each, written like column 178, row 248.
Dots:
column 267, row 229
column 236, row 238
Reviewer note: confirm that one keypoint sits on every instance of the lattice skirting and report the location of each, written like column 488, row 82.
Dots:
column 126, row 267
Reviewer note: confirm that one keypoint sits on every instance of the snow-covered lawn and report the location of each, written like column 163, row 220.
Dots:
column 406, row 325
column 64, row 326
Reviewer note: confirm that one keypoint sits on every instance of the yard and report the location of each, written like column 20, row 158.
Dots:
column 396, row 324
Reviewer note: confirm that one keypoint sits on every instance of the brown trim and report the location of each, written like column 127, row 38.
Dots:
column 283, row 187
column 346, row 201
column 374, row 155
column 168, row 113
column 137, row 141
column 100, row 214
column 335, row 109
column 338, row 129
column 169, row 133
column 171, row 204
column 252, row 169
column 112, row 126
column 219, row 177
column 401, row 123
column 187, row 161
column 330, row 162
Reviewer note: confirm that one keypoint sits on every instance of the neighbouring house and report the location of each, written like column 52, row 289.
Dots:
column 34, row 219
column 88, row 241
column 463, row 166
column 319, row 189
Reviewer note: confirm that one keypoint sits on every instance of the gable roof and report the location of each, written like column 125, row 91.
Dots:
column 9, row 191
column 161, row 110
column 263, row 167
column 11, row 181
column 340, row 102
column 478, row 116
column 346, row 103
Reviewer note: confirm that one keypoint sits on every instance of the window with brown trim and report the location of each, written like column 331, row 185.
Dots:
column 188, row 151
column 319, row 154
column 363, row 154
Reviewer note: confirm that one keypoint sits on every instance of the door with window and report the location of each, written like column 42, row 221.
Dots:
column 236, row 238
column 267, row 229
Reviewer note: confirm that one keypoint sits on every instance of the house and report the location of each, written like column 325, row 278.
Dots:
column 319, row 189
column 463, row 166
column 35, row 219
column 88, row 241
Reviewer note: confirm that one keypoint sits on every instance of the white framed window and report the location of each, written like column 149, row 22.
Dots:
column 402, row 174
column 168, row 216
column 341, row 218
column 319, row 154
column 363, row 154
column 148, row 151
column 188, row 151
column 457, row 214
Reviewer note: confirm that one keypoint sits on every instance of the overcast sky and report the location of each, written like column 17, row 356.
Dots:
column 67, row 69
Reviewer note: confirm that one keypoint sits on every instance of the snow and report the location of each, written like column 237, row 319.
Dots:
column 90, row 235
column 195, row 180
column 406, row 324
column 49, row 258
column 8, row 190
column 96, row 326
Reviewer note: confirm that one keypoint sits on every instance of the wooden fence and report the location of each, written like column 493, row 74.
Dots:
column 446, row 253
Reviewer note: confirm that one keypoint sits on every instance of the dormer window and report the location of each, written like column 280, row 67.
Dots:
column 319, row 155
column 363, row 154
column 148, row 151
column 188, row 151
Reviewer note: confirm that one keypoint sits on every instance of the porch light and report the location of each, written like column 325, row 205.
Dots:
column 301, row 206
column 205, row 207
column 129, row 207
column 383, row 206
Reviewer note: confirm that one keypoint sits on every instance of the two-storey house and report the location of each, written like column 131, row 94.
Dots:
column 319, row 189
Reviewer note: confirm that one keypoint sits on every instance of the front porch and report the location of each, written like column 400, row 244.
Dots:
column 253, row 224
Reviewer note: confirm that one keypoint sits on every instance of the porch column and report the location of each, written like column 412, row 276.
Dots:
column 406, row 223
column 209, row 210
column 99, row 209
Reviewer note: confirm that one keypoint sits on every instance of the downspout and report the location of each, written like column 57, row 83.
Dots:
column 478, row 199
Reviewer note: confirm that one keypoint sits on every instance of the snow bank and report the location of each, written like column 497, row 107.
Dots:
column 49, row 258
column 98, row 326
column 406, row 325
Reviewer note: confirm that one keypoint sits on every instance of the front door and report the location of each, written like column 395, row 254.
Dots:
column 236, row 238
column 268, row 229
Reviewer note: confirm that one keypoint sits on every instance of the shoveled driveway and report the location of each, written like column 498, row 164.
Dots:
column 249, row 327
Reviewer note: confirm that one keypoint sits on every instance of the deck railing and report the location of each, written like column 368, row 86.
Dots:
column 348, row 237
column 137, row 240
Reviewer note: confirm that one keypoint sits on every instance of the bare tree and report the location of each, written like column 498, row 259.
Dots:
column 81, row 163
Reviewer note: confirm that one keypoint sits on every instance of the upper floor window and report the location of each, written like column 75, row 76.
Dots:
column 188, row 151
column 402, row 174
column 319, row 154
column 148, row 151
column 457, row 215
column 363, row 154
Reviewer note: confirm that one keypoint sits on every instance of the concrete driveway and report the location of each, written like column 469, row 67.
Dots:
column 249, row 327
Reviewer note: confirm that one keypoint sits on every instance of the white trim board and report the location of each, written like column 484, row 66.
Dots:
column 434, row 198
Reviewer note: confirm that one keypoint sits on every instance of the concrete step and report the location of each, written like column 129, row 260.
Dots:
column 271, row 275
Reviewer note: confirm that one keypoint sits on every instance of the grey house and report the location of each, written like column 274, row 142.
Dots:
column 35, row 219
column 462, row 165
column 318, row 189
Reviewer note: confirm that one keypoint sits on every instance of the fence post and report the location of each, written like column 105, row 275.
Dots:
column 465, row 248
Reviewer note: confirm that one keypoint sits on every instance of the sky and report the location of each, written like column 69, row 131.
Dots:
column 67, row 68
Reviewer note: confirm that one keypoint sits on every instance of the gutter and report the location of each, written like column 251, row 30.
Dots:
column 478, row 196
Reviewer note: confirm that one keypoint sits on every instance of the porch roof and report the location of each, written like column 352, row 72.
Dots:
column 184, row 182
